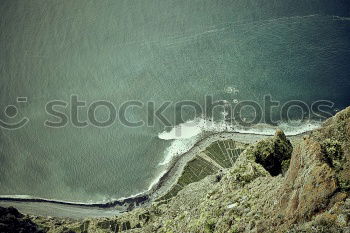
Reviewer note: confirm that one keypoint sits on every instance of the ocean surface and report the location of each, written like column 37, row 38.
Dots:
column 152, row 51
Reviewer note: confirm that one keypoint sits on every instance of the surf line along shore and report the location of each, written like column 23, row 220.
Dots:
column 167, row 179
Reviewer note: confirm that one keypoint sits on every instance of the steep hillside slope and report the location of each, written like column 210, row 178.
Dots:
column 271, row 187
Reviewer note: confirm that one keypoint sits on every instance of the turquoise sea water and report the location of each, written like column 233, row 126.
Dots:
column 154, row 50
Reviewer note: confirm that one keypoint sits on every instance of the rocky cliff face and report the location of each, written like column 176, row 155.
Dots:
column 13, row 221
column 272, row 187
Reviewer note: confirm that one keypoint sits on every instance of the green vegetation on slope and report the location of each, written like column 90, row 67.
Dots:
column 219, row 155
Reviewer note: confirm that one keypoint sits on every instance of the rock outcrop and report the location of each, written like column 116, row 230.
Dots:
column 13, row 221
column 271, row 187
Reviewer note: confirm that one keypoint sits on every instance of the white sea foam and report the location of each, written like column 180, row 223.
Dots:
column 178, row 147
column 184, row 136
column 156, row 181
column 187, row 134
column 291, row 129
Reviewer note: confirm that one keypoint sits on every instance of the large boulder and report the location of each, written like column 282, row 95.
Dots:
column 273, row 153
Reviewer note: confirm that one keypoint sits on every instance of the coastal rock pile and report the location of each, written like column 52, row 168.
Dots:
column 272, row 187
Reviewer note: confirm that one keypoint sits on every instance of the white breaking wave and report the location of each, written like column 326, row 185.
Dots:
column 194, row 128
column 184, row 136
column 187, row 134
column 290, row 129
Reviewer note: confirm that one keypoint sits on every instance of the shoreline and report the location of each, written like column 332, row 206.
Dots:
column 178, row 163
column 160, row 187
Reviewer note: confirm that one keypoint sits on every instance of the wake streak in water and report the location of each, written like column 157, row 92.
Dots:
column 217, row 28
